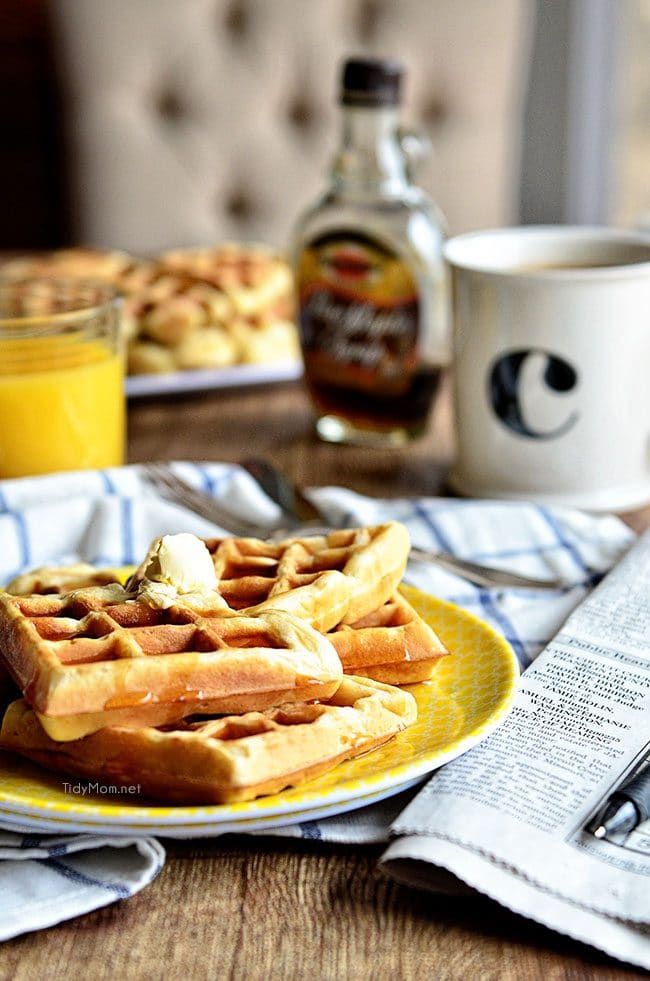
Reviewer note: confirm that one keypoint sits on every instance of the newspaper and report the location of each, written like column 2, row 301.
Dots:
column 509, row 819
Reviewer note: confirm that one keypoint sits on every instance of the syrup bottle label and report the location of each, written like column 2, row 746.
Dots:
column 359, row 313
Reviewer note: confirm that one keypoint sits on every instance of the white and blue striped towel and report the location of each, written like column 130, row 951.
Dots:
column 109, row 517
column 45, row 879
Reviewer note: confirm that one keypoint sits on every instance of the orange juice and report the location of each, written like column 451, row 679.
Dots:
column 62, row 405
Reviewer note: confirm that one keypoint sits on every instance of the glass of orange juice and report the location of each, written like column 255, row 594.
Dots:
column 62, row 401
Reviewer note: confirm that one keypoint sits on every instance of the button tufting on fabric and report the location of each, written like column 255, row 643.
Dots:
column 301, row 114
column 236, row 95
column 239, row 204
column 435, row 111
column 237, row 19
column 169, row 106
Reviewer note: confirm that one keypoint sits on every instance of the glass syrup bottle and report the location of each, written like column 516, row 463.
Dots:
column 370, row 278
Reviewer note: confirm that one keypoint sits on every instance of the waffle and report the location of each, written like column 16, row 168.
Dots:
column 228, row 759
column 325, row 579
column 392, row 644
column 97, row 657
column 60, row 579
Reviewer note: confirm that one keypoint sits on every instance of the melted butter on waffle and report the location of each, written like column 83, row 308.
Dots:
column 324, row 579
column 178, row 567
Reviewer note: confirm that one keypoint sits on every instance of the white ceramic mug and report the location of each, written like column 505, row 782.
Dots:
column 552, row 365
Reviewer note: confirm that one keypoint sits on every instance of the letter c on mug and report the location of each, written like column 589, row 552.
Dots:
column 523, row 390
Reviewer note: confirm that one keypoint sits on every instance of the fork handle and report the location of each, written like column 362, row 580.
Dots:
column 481, row 575
column 218, row 515
column 296, row 508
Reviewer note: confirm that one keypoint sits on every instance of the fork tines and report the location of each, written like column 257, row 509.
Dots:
column 173, row 488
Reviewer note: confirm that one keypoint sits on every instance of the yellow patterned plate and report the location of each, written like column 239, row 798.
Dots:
column 470, row 696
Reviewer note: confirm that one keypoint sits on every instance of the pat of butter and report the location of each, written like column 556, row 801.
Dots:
column 176, row 565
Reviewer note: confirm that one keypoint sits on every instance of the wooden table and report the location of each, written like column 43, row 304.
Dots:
column 247, row 909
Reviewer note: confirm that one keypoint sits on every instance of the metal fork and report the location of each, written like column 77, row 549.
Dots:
column 300, row 510
column 174, row 488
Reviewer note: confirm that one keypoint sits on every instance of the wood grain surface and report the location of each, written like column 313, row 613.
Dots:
column 250, row 908
column 275, row 422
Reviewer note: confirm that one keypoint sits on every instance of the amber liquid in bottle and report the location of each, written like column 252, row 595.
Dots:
column 371, row 284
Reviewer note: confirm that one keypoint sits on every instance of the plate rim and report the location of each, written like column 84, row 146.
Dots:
column 51, row 825
column 208, row 379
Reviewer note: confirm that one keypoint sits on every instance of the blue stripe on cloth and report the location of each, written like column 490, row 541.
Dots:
column 507, row 629
column 31, row 841
column 311, row 830
column 23, row 537
column 84, row 880
column 349, row 520
column 107, row 481
column 126, row 508
column 213, row 485
column 207, row 482
column 55, row 850
column 433, row 526
column 216, row 486
column 553, row 523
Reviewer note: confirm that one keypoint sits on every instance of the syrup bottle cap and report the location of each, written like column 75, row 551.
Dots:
column 371, row 82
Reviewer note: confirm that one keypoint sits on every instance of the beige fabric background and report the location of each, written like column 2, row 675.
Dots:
column 191, row 121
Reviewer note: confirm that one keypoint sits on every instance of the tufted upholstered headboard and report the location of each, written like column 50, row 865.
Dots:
column 191, row 121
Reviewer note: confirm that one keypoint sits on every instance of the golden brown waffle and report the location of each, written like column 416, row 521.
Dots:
column 325, row 579
column 97, row 657
column 392, row 644
column 228, row 759
column 60, row 579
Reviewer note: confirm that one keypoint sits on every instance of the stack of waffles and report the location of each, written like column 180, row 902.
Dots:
column 189, row 309
column 221, row 670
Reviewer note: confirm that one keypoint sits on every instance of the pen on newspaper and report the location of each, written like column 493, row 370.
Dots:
column 628, row 806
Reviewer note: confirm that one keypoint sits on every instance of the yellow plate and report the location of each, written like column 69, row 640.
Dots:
column 470, row 696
